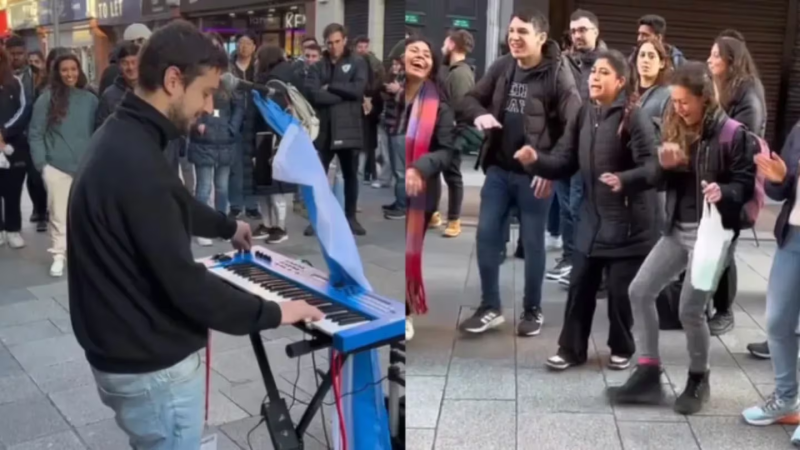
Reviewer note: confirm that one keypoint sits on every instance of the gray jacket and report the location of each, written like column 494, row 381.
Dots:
column 654, row 102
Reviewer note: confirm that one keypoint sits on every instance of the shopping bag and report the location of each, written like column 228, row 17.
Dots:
column 711, row 249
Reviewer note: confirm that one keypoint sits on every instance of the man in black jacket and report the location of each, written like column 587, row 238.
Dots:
column 128, row 61
column 525, row 98
column 335, row 86
column 141, row 307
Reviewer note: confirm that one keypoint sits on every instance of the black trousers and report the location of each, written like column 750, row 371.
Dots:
column 11, row 181
column 585, row 281
column 348, row 159
column 455, row 188
column 36, row 190
column 726, row 289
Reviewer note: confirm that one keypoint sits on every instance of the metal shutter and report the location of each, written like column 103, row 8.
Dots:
column 394, row 29
column 693, row 25
column 793, row 89
column 356, row 18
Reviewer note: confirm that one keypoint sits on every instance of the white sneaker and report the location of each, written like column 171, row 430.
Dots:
column 553, row 243
column 204, row 242
column 15, row 240
column 3, row 238
column 57, row 268
column 409, row 328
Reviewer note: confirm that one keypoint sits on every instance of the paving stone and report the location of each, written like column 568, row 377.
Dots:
column 221, row 342
column 729, row 433
column 476, row 425
column 47, row 352
column 8, row 365
column 259, row 438
column 59, row 441
column 16, row 388
column 657, row 436
column 757, row 370
column 63, row 325
column 569, row 391
column 737, row 339
column 650, row 413
column 26, row 312
column 423, row 400
column 249, row 396
column 223, row 410
column 29, row 332
column 479, row 379
column 552, row 431
column 497, row 344
column 15, row 296
column 48, row 291
column 731, row 390
column 63, row 376
column 419, row 439
column 223, row 441
column 63, row 301
column 29, row 420
column 104, row 435
column 532, row 353
column 81, row 406
column 672, row 349
column 429, row 353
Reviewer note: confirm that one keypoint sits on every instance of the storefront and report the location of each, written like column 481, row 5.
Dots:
column 23, row 20
column 283, row 24
column 158, row 12
column 75, row 30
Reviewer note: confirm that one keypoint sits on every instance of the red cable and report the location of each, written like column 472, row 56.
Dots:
column 208, row 373
column 338, row 362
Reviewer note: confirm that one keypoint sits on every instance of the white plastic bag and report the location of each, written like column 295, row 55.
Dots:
column 711, row 250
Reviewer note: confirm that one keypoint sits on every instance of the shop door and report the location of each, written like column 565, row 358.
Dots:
column 394, row 29
column 356, row 18
column 693, row 25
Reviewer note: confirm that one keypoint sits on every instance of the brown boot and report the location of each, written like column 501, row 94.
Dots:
column 453, row 229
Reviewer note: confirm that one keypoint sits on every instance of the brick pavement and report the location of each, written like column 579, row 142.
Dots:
column 47, row 394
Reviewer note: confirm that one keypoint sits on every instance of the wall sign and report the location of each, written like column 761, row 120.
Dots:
column 68, row 11
column 113, row 12
column 294, row 20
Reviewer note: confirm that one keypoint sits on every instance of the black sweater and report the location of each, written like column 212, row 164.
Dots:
column 138, row 301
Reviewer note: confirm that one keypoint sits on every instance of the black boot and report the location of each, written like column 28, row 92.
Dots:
column 356, row 227
column 643, row 387
column 697, row 392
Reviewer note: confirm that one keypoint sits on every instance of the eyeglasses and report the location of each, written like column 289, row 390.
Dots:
column 581, row 30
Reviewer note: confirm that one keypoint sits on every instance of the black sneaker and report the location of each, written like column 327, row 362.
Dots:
column 390, row 206
column 697, row 392
column 277, row 235
column 759, row 349
column 41, row 227
column 484, row 319
column 262, row 232
column 530, row 322
column 309, row 231
column 235, row 213
column 564, row 280
column 563, row 267
column 356, row 227
column 642, row 388
column 253, row 214
column 37, row 217
column 562, row 361
column 616, row 362
column 520, row 252
column 721, row 323
column 394, row 214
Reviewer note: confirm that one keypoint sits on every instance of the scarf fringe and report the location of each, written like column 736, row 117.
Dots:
column 415, row 289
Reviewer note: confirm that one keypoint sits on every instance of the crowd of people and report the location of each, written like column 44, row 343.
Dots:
column 627, row 150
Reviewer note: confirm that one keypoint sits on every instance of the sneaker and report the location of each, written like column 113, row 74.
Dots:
column 262, row 232
column 277, row 235
column 57, row 268
column 41, row 227
column 394, row 214
column 796, row 437
column 697, row 392
column 619, row 362
column 204, row 242
column 563, row 267
column 377, row 185
column 485, row 318
column 564, row 280
column 253, row 214
column 390, row 206
column 759, row 349
column 721, row 323
column 530, row 322
column 37, row 217
column 642, row 388
column 235, row 213
column 553, row 243
column 356, row 227
column 561, row 361
column 409, row 328
column 309, row 231
column 3, row 238
column 453, row 229
column 773, row 411
column 15, row 240
column 436, row 220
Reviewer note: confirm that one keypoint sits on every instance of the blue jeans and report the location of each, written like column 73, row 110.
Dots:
column 161, row 410
column 501, row 191
column 219, row 176
column 397, row 158
column 783, row 308
column 236, row 193
column 570, row 194
column 554, row 217
column 338, row 184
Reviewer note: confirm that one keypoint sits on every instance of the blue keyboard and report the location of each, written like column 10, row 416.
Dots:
column 355, row 318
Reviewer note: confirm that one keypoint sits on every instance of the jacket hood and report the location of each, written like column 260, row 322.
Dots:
column 674, row 51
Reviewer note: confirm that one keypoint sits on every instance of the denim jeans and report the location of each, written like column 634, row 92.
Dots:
column 554, row 217
column 570, row 194
column 383, row 158
column 397, row 157
column 338, row 183
column 219, row 176
column 236, row 194
column 501, row 191
column 160, row 410
column 783, row 308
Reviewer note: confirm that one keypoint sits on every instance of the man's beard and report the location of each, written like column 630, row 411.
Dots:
column 180, row 120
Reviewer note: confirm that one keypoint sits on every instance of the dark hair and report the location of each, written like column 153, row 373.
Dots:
column 534, row 17
column 314, row 47
column 741, row 68
column 15, row 41
column 59, row 92
column 215, row 37
column 308, row 39
column 436, row 64
column 178, row 44
column 566, row 41
column 53, row 54
column 334, row 28
column 463, row 40
column 37, row 53
column 695, row 77
column 656, row 22
column 128, row 49
column 619, row 63
column 361, row 39
column 247, row 35
column 663, row 74
column 731, row 33
column 6, row 72
column 268, row 56
column 584, row 14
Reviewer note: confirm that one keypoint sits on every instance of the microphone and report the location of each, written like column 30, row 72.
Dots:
column 231, row 83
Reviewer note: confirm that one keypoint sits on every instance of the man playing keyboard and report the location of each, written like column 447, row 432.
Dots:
column 141, row 307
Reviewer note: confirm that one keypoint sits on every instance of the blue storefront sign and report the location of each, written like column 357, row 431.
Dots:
column 68, row 11
column 115, row 12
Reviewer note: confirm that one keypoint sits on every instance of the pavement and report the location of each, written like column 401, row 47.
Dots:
column 48, row 399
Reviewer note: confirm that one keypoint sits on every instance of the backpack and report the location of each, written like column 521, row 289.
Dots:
column 752, row 208
column 300, row 109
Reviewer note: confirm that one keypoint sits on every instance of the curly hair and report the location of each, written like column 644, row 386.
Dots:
column 59, row 92
column 695, row 77
column 741, row 69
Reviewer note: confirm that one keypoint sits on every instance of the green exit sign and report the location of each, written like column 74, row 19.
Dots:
column 462, row 23
column 412, row 19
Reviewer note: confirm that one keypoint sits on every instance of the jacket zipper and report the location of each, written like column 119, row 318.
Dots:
column 592, row 168
column 630, row 215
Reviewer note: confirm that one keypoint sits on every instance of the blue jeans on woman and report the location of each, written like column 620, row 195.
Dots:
column 397, row 158
column 161, row 410
column 783, row 308
column 219, row 176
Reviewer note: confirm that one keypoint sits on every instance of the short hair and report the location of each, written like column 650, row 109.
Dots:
column 15, row 41
column 214, row 36
column 656, row 22
column 247, row 35
column 584, row 14
column 463, row 40
column 36, row 53
column 268, row 57
column 334, row 28
column 362, row 39
column 178, row 44
column 128, row 49
column 733, row 34
column 315, row 47
column 533, row 17
column 308, row 39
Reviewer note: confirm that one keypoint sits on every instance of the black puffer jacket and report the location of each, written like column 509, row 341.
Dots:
column 339, row 106
column 552, row 101
column 15, row 115
column 654, row 102
column 611, row 224
column 581, row 64
column 748, row 106
column 110, row 99
column 217, row 144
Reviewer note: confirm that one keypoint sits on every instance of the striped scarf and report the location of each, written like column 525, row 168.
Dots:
column 419, row 134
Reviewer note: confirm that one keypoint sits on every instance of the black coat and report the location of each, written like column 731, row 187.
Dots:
column 339, row 107
column 610, row 224
column 217, row 145
column 110, row 99
column 786, row 192
column 441, row 151
column 15, row 115
column 749, row 107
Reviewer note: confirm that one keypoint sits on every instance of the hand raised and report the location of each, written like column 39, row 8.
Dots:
column 526, row 155
column 612, row 181
column 487, row 122
column 771, row 167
